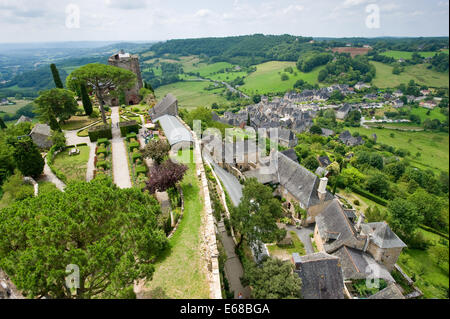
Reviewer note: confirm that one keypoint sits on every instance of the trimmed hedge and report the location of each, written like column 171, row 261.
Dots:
column 434, row 231
column 133, row 146
column 98, row 132
column 141, row 169
column 128, row 127
column 102, row 150
column 130, row 136
column 103, row 164
column 136, row 156
column 369, row 195
column 103, row 141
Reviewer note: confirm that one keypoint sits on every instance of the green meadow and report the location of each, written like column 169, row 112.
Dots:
column 433, row 147
column 267, row 78
column 419, row 73
column 408, row 55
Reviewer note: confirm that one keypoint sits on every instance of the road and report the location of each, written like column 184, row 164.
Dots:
column 230, row 182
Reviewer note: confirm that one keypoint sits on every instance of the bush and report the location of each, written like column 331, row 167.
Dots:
column 131, row 136
column 24, row 193
column 418, row 241
column 356, row 202
column 102, row 164
column 133, row 146
column 103, row 141
column 102, row 150
column 128, row 127
column 141, row 169
column 368, row 195
column 136, row 156
column 97, row 132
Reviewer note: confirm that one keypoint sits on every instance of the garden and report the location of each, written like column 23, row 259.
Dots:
column 103, row 158
column 73, row 167
column 137, row 166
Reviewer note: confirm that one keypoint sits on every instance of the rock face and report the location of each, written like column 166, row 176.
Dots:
column 131, row 63
column 7, row 288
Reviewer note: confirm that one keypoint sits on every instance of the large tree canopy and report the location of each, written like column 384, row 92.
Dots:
column 102, row 79
column 28, row 158
column 55, row 104
column 255, row 217
column 157, row 150
column 273, row 279
column 111, row 234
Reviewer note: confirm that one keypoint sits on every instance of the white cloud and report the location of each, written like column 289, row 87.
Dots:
column 352, row 3
column 126, row 5
column 203, row 13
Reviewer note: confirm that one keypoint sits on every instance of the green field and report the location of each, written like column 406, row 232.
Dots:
column 434, row 114
column 433, row 147
column 432, row 279
column 267, row 78
column 419, row 73
column 407, row 55
column 12, row 109
column 179, row 271
column 191, row 94
column 75, row 166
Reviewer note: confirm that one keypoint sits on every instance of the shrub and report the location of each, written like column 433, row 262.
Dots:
column 98, row 132
column 356, row 202
column 141, row 169
column 133, row 146
column 103, row 141
column 128, row 127
column 102, row 150
column 131, row 136
column 136, row 156
column 102, row 164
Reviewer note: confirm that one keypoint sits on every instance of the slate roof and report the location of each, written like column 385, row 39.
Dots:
column 299, row 181
column 324, row 161
column 357, row 264
column 174, row 129
column 42, row 129
column 390, row 292
column 23, row 119
column 321, row 276
column 321, row 172
column 382, row 235
column 333, row 223
column 290, row 153
column 326, row 132
column 162, row 107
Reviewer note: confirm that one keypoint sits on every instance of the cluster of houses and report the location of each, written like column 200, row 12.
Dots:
column 348, row 248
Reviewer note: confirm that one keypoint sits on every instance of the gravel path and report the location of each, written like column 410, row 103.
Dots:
column 119, row 153
column 48, row 176
column 90, row 164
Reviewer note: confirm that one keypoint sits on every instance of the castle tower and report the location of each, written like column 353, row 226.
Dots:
column 131, row 63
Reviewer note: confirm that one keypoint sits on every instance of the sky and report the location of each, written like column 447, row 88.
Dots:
column 155, row 20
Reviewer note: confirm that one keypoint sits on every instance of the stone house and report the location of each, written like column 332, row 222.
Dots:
column 347, row 138
column 343, row 111
column 41, row 136
column 321, row 276
column 167, row 106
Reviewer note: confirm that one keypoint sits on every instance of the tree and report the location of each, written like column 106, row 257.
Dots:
column 27, row 157
column 274, row 279
column 440, row 253
column 87, row 104
column 165, row 176
column 430, row 206
column 55, row 104
column 378, row 184
column 315, row 130
column 111, row 234
column 310, row 162
column 2, row 124
column 102, row 79
column 157, row 150
column 255, row 217
column 404, row 217
column 56, row 78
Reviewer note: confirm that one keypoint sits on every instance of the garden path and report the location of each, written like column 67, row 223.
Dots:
column 121, row 172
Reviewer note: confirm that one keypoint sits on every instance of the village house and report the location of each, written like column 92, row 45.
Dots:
column 41, row 136
column 321, row 276
column 349, row 140
column 167, row 106
column 343, row 111
column 23, row 119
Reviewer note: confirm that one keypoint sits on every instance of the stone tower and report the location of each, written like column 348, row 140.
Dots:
column 131, row 63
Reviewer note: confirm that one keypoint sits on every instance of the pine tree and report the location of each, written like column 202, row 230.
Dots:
column 87, row 104
column 56, row 78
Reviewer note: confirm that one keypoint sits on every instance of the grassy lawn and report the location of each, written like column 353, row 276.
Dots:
column 419, row 73
column 191, row 94
column 267, row 78
column 284, row 252
column 434, row 147
column 434, row 114
column 407, row 55
column 77, row 122
column 209, row 69
column 179, row 270
column 75, row 166
column 431, row 278
column 12, row 109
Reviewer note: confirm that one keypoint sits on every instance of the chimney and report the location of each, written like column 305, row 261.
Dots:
column 360, row 221
column 322, row 190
